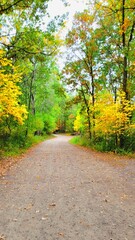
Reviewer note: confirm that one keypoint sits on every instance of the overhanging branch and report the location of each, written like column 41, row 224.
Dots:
column 4, row 8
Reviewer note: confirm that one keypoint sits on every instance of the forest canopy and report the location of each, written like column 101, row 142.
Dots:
column 92, row 94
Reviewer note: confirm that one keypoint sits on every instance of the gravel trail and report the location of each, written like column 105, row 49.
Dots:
column 60, row 191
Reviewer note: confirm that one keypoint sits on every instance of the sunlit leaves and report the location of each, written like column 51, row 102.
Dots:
column 112, row 117
column 79, row 123
column 10, row 92
column 13, row 5
column 125, row 25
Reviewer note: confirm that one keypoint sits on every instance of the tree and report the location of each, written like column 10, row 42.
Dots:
column 9, row 6
column 116, row 19
column 10, row 105
column 82, row 63
column 29, row 46
column 32, row 49
column 100, row 59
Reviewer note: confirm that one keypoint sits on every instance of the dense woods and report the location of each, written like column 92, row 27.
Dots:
column 93, row 95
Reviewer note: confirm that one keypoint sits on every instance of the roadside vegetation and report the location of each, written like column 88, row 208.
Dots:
column 93, row 95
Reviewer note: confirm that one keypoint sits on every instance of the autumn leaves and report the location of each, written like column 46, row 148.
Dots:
column 10, row 92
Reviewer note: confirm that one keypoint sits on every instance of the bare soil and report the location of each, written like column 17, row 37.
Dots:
column 60, row 191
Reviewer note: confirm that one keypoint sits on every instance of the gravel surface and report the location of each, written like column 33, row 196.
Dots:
column 60, row 191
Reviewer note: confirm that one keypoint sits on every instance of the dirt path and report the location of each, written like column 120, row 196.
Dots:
column 60, row 191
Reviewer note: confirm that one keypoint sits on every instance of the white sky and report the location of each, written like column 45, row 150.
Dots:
column 56, row 7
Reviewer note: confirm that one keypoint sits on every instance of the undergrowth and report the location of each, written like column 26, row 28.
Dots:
column 100, row 146
column 13, row 147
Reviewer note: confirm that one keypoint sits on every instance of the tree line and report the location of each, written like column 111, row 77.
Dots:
column 32, row 97
column 93, row 95
column 100, row 67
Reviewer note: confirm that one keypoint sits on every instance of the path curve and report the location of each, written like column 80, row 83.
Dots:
column 60, row 191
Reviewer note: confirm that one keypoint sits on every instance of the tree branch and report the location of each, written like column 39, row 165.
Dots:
column 131, row 33
column 27, row 51
column 4, row 8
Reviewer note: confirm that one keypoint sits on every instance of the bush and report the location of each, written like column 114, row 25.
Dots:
column 82, row 141
column 107, row 144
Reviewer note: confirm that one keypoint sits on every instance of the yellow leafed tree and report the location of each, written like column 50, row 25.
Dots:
column 113, row 117
column 10, row 92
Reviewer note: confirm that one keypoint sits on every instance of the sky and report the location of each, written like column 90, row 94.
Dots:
column 56, row 7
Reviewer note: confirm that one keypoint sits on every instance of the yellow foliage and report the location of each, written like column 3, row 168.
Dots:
column 127, row 23
column 77, row 123
column 112, row 117
column 124, row 27
column 10, row 91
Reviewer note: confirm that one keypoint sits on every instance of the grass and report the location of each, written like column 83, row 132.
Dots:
column 15, row 148
column 83, row 141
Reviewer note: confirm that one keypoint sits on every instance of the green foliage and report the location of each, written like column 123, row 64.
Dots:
column 33, row 52
column 49, row 124
column 106, row 145
column 99, row 69
column 18, row 146
column 70, row 124
column 82, row 141
column 33, row 124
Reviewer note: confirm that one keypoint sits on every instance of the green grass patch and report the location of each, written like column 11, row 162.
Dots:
column 16, row 148
column 100, row 147
column 82, row 141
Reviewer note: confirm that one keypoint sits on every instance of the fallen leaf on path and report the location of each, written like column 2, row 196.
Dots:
column 15, row 220
column 52, row 205
column 61, row 234
column 124, row 196
column 29, row 206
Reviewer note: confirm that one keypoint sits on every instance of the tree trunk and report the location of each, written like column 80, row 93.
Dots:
column 93, row 98
column 125, row 73
column 88, row 112
column 31, row 99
